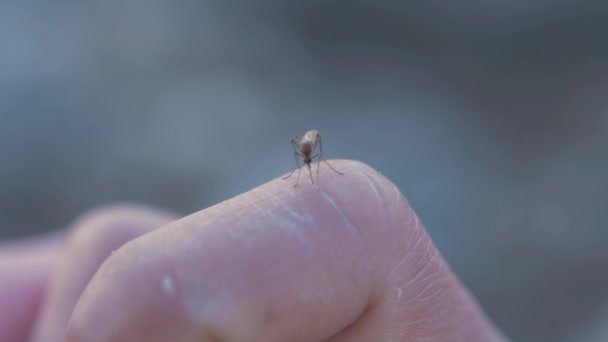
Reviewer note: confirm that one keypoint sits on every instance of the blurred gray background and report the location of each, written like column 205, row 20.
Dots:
column 491, row 117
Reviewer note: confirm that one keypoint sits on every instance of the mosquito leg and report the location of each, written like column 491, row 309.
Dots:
column 295, row 157
column 309, row 171
column 321, row 157
column 297, row 178
column 336, row 171
column 294, row 144
column 295, row 154
column 318, row 164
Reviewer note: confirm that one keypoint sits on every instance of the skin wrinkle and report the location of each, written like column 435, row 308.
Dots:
column 373, row 296
column 429, row 257
column 381, row 203
column 256, row 201
column 372, row 185
column 406, row 257
column 357, row 317
column 431, row 275
column 409, row 216
column 430, row 281
column 377, row 296
column 295, row 230
column 416, row 303
column 431, row 263
column 302, row 218
column 237, row 226
column 344, row 218
column 354, row 227
column 431, row 300
column 420, row 239
column 290, row 226
column 414, row 279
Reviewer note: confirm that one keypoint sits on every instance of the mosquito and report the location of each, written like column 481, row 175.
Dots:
column 306, row 149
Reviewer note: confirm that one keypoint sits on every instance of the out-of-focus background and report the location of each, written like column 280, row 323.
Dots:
column 490, row 116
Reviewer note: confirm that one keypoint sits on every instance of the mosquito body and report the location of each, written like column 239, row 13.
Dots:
column 306, row 148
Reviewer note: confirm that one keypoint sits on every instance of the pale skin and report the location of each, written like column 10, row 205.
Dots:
column 348, row 261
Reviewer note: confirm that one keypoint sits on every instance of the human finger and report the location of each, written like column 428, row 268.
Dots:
column 346, row 259
column 89, row 241
column 25, row 266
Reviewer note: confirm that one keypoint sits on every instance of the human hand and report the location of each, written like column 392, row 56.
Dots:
column 344, row 260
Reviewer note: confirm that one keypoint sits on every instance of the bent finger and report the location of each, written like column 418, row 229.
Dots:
column 25, row 266
column 90, row 240
column 346, row 259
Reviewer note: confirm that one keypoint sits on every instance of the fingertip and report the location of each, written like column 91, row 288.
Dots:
column 269, row 264
column 92, row 237
column 411, row 280
column 345, row 257
column 25, row 266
